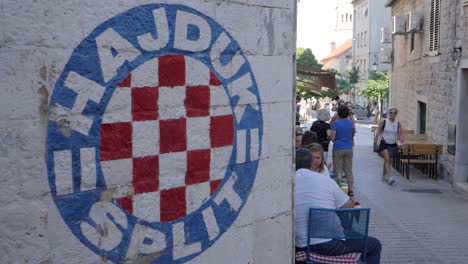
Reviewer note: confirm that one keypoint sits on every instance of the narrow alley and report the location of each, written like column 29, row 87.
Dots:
column 417, row 221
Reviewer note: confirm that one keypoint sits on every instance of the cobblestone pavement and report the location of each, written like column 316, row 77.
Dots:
column 417, row 221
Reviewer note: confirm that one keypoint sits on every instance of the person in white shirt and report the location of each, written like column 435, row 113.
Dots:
column 389, row 133
column 314, row 190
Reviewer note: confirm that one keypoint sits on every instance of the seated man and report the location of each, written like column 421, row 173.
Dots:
column 315, row 191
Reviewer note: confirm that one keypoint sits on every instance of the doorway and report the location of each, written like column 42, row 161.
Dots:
column 461, row 151
column 421, row 118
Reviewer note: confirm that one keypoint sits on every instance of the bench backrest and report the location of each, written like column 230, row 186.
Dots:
column 423, row 149
column 407, row 131
column 415, row 137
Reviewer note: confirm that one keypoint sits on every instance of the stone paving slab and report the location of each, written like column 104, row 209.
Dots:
column 414, row 227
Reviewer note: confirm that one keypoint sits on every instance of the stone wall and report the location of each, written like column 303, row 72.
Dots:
column 147, row 132
column 429, row 78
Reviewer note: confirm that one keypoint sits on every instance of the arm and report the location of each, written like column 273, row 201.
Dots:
column 379, row 131
column 332, row 121
column 348, row 204
column 331, row 134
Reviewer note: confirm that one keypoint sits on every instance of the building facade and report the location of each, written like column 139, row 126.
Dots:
column 370, row 36
column 430, row 77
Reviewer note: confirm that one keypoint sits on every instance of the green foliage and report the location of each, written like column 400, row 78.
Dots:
column 306, row 57
column 352, row 76
column 377, row 86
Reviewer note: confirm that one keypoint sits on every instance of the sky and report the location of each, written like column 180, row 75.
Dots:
column 315, row 25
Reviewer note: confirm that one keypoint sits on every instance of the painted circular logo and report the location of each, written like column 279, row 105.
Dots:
column 154, row 135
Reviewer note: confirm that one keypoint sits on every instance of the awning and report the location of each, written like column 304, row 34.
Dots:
column 315, row 78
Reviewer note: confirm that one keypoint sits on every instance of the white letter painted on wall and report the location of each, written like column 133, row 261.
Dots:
column 114, row 51
column 233, row 66
column 106, row 235
column 147, row 42
column 146, row 240
column 192, row 33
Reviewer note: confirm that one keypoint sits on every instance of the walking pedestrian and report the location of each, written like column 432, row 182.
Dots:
column 387, row 137
column 321, row 126
column 342, row 134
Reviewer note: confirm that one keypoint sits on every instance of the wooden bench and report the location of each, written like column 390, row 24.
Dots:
column 415, row 137
column 423, row 155
column 407, row 131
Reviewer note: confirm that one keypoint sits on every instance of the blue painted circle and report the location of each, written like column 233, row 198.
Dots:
column 75, row 206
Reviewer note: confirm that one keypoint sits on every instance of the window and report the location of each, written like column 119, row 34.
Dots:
column 365, row 39
column 412, row 42
column 434, row 26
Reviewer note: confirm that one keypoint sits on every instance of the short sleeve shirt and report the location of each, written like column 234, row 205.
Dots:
column 313, row 190
column 344, row 134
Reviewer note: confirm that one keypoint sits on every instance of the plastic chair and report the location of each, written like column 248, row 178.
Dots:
column 345, row 223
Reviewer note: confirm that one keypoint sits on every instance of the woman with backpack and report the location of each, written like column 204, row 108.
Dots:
column 389, row 133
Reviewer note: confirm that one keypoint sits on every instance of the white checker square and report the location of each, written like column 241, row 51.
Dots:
column 196, row 195
column 196, row 73
column 219, row 161
column 171, row 102
column 198, row 130
column 145, row 138
column 117, row 173
column 146, row 206
column 119, row 108
column 172, row 169
column 146, row 75
column 219, row 102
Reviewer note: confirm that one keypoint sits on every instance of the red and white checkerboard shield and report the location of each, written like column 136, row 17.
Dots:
column 166, row 138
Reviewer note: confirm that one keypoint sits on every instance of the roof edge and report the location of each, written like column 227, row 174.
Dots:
column 390, row 3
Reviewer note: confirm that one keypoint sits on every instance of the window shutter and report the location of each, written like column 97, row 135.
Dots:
column 434, row 26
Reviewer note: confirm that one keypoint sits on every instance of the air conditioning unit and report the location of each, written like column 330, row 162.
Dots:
column 385, row 55
column 413, row 22
column 385, row 35
column 398, row 25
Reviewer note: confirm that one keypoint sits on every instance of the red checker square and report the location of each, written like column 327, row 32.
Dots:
column 116, row 141
column 198, row 166
column 221, row 131
column 126, row 203
column 214, row 80
column 173, row 135
column 214, row 186
column 197, row 101
column 144, row 104
column 127, row 82
column 173, row 204
column 146, row 174
column 171, row 70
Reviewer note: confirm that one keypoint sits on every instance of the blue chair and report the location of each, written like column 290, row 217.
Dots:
column 346, row 223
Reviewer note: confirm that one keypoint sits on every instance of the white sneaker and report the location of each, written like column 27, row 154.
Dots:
column 391, row 181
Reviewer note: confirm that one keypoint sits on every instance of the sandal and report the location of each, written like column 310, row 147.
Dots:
column 351, row 194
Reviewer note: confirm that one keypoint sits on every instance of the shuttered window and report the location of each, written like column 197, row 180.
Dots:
column 434, row 26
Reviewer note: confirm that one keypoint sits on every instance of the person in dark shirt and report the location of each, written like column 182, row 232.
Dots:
column 320, row 127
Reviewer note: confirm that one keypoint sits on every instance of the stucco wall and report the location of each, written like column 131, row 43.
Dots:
column 141, row 133
column 428, row 78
